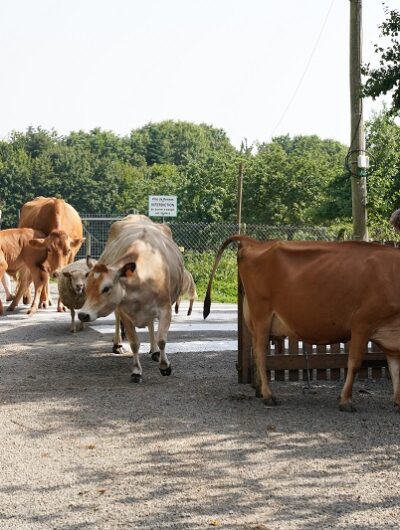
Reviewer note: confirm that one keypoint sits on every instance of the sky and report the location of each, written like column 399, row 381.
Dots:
column 255, row 68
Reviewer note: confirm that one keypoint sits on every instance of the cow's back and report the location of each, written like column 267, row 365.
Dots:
column 49, row 213
column 157, row 257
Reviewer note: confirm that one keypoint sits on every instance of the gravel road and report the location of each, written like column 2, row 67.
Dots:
column 82, row 448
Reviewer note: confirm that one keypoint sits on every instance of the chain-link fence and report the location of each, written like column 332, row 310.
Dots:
column 198, row 236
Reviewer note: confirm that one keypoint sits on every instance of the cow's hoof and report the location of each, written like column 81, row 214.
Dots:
column 118, row 349
column 43, row 305
column 11, row 307
column 347, row 407
column 155, row 356
column 26, row 300
column 270, row 401
column 166, row 371
column 136, row 378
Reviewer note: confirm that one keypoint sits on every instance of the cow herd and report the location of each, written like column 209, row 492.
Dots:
column 315, row 291
column 48, row 237
column 139, row 275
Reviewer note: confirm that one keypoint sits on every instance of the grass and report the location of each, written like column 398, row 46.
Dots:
column 224, row 288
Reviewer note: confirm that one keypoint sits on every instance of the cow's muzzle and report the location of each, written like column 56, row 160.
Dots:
column 83, row 317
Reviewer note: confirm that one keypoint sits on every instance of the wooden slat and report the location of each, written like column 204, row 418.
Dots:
column 335, row 372
column 322, row 374
column 279, row 346
column 319, row 361
column 293, row 346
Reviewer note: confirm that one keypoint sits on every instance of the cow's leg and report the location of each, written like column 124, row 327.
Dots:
column 3, row 268
column 393, row 360
column 358, row 346
column 40, row 279
column 154, row 350
column 117, row 342
column 177, row 304
column 161, row 338
column 260, row 344
column 7, row 287
column 259, row 327
column 45, row 298
column 24, row 280
column 136, row 375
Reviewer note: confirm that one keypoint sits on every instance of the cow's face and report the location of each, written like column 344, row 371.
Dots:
column 104, row 290
column 60, row 250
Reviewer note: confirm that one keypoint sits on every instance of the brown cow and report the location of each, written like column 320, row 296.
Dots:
column 59, row 219
column 320, row 293
column 139, row 275
column 29, row 253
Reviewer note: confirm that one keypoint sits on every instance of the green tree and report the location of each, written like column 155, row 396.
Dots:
column 383, row 141
column 15, row 182
column 177, row 142
column 289, row 180
column 386, row 77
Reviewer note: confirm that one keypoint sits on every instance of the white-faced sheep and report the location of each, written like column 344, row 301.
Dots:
column 71, row 288
column 189, row 288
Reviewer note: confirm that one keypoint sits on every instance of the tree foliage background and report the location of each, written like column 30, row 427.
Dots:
column 290, row 180
column 386, row 77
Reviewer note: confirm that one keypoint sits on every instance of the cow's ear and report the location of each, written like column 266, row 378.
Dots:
column 127, row 270
column 90, row 262
column 77, row 242
column 39, row 243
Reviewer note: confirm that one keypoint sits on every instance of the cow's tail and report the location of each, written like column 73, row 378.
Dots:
column 232, row 239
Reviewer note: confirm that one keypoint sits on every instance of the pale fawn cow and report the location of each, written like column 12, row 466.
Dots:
column 139, row 275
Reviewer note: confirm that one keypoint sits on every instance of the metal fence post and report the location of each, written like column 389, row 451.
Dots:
column 88, row 243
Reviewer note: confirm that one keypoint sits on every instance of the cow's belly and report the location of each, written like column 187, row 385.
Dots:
column 140, row 314
column 313, row 333
column 388, row 336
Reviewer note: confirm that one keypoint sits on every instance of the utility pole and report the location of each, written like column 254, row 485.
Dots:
column 357, row 162
column 239, row 197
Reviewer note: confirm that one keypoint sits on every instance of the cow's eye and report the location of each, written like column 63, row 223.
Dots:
column 106, row 289
column 86, row 275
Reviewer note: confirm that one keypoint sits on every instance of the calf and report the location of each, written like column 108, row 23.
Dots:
column 29, row 254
